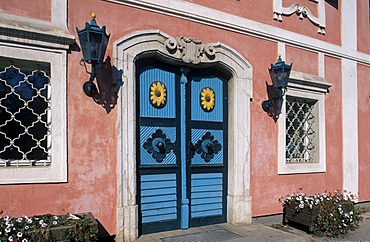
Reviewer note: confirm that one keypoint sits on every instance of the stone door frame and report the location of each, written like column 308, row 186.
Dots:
column 187, row 52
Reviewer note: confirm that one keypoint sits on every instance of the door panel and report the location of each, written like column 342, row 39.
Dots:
column 158, row 197
column 149, row 78
column 149, row 138
column 198, row 88
column 206, row 194
column 201, row 156
column 158, row 172
column 207, row 166
column 181, row 149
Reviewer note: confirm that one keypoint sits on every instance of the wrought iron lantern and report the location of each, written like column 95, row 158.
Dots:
column 93, row 41
column 279, row 73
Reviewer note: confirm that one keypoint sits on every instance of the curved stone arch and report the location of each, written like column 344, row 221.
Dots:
column 156, row 43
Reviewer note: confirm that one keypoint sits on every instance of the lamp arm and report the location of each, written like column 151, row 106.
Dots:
column 93, row 72
column 83, row 63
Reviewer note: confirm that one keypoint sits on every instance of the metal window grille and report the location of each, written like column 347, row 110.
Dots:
column 300, row 130
column 25, row 117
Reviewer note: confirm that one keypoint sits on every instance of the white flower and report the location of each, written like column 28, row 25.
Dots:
column 7, row 230
column 19, row 234
column 41, row 221
column 301, row 205
column 26, row 227
column 24, row 240
column 10, row 238
column 44, row 225
column 56, row 217
column 55, row 222
column 19, row 220
column 29, row 220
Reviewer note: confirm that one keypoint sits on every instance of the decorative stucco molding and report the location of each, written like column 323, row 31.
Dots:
column 27, row 31
column 302, row 12
column 190, row 50
column 210, row 17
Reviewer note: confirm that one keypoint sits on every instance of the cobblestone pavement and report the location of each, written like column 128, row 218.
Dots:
column 254, row 232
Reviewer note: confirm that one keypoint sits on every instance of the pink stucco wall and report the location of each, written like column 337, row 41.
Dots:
column 363, row 27
column 92, row 131
column 38, row 9
column 303, row 60
column 363, row 131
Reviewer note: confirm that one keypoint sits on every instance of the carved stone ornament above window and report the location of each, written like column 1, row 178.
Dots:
column 302, row 12
column 192, row 51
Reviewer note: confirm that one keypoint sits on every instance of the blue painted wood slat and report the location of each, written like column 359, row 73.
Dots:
column 206, row 194
column 158, row 197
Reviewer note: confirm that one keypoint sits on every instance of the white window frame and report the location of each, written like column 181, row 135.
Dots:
column 57, row 171
column 310, row 87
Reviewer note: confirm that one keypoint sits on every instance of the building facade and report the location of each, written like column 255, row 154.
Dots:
column 176, row 136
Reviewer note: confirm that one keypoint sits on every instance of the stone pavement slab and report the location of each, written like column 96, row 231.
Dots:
column 254, row 232
column 237, row 233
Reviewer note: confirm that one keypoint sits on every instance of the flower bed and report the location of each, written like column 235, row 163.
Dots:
column 45, row 228
column 328, row 214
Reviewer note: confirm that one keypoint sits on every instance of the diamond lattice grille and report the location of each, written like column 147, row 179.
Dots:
column 24, row 117
column 300, row 131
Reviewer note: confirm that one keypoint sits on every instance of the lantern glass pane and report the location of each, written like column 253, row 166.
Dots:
column 278, row 78
column 95, row 40
column 104, row 46
column 84, row 45
column 286, row 73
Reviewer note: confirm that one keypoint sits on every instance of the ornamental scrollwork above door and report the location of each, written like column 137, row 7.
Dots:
column 190, row 50
column 302, row 12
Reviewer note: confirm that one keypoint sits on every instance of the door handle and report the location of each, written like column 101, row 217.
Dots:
column 161, row 148
column 192, row 149
column 209, row 148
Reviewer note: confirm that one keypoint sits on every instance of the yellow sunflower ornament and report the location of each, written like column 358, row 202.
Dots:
column 207, row 98
column 158, row 94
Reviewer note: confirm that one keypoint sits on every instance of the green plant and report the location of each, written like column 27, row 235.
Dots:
column 82, row 230
column 337, row 213
column 40, row 228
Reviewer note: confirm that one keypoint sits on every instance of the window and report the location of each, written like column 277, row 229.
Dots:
column 302, row 125
column 301, row 130
column 33, row 144
column 24, row 113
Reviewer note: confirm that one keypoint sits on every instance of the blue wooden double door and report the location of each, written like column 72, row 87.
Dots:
column 181, row 148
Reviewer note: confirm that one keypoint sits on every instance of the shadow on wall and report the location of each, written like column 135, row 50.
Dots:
column 333, row 3
column 275, row 110
column 109, row 80
column 103, row 235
